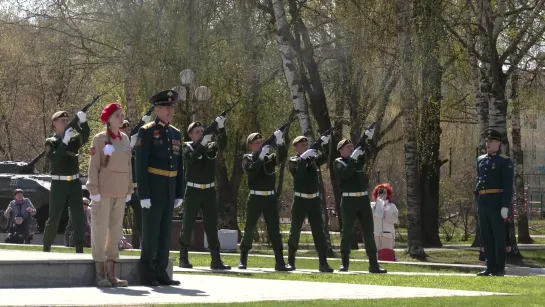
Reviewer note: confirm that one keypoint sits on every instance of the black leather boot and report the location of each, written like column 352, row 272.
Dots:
column 279, row 264
column 345, row 261
column 47, row 249
column 486, row 272
column 324, row 266
column 243, row 260
column 184, row 259
column 374, row 267
column 291, row 259
column 79, row 249
column 216, row 263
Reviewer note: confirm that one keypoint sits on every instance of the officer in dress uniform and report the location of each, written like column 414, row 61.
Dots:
column 304, row 168
column 355, row 202
column 262, row 198
column 158, row 166
column 200, row 193
column 62, row 150
column 494, row 192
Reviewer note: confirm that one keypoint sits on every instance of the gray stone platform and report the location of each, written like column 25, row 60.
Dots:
column 199, row 289
column 29, row 269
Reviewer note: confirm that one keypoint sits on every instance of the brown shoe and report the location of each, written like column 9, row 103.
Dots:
column 110, row 271
column 100, row 275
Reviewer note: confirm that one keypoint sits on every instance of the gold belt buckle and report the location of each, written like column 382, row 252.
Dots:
column 358, row 194
column 309, row 195
column 68, row 178
column 265, row 193
column 203, row 186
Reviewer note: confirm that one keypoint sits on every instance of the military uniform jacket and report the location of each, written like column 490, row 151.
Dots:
column 495, row 171
column 200, row 161
column 64, row 158
column 305, row 172
column 352, row 175
column 261, row 173
column 158, row 147
column 115, row 179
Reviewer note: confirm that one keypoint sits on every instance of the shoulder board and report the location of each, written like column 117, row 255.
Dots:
column 148, row 125
column 247, row 156
column 50, row 140
column 340, row 160
column 504, row 156
column 481, row 157
column 295, row 159
column 188, row 145
column 174, row 128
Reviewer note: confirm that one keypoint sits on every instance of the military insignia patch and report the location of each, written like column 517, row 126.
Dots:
column 92, row 151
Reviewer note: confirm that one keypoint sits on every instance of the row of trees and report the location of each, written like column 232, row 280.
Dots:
column 432, row 74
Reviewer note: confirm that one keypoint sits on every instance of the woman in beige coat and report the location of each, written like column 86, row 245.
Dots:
column 110, row 186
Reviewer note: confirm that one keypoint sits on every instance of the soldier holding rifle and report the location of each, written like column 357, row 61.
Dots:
column 260, row 168
column 62, row 150
column 355, row 203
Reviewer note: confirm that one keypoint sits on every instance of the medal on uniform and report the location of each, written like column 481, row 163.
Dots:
column 494, row 165
column 156, row 134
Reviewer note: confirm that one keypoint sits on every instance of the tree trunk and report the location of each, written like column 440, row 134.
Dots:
column 517, row 156
column 404, row 34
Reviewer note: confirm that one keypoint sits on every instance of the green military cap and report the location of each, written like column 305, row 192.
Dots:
column 164, row 98
column 252, row 137
column 59, row 114
column 125, row 124
column 493, row 134
column 342, row 143
column 299, row 139
column 193, row 125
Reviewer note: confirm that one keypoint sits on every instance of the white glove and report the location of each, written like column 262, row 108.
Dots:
column 221, row 121
column 145, row 203
column 206, row 139
column 504, row 212
column 109, row 149
column 264, row 152
column 278, row 134
column 133, row 140
column 95, row 197
column 357, row 152
column 81, row 116
column 178, row 203
column 309, row 153
column 67, row 135
column 325, row 139
column 146, row 118
column 128, row 198
column 369, row 133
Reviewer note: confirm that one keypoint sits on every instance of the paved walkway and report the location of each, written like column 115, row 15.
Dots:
column 216, row 289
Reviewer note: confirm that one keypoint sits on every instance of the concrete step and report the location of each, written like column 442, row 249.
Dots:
column 30, row 269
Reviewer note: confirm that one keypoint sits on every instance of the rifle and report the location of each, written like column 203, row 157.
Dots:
column 272, row 139
column 75, row 120
column 363, row 138
column 213, row 128
column 141, row 122
column 318, row 142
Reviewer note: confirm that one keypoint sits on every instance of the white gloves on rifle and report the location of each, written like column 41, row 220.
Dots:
column 81, row 116
column 146, row 118
column 109, row 149
column 325, row 139
column 356, row 153
column 178, row 203
column 67, row 135
column 369, row 133
column 133, row 140
column 221, row 121
column 145, row 203
column 206, row 139
column 309, row 153
column 128, row 198
column 95, row 197
column 279, row 134
column 504, row 212
column 264, row 152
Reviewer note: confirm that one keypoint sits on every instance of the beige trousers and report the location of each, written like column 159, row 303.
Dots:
column 106, row 228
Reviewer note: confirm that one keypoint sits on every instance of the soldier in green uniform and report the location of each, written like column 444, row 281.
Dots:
column 304, row 168
column 494, row 192
column 62, row 150
column 158, row 165
column 355, row 203
column 200, row 194
column 262, row 198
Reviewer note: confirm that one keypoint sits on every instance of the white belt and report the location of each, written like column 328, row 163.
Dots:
column 355, row 194
column 262, row 193
column 65, row 178
column 200, row 186
column 307, row 195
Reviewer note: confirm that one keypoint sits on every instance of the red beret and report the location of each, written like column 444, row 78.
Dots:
column 108, row 111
